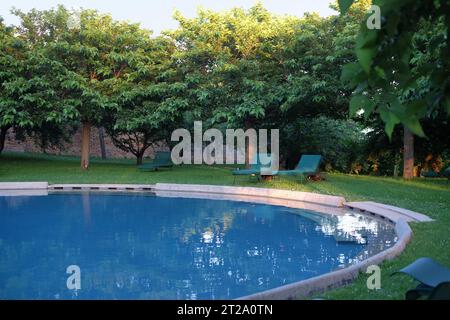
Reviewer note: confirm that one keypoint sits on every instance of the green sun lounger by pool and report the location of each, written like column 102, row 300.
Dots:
column 161, row 160
column 308, row 165
column 255, row 168
column 432, row 174
column 434, row 279
column 441, row 292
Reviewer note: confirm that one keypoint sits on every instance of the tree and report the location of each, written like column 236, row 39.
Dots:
column 150, row 101
column 28, row 90
column 231, row 62
column 7, row 59
column 387, row 79
column 430, row 153
column 260, row 70
column 95, row 51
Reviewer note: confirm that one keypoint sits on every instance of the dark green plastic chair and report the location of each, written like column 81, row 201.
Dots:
column 255, row 168
column 434, row 279
column 441, row 292
column 446, row 174
column 432, row 174
column 308, row 165
column 161, row 160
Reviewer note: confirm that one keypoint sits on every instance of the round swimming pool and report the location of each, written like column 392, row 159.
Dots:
column 138, row 246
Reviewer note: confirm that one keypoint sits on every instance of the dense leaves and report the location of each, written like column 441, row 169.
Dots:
column 150, row 103
column 103, row 71
column 403, row 68
column 340, row 142
column 30, row 90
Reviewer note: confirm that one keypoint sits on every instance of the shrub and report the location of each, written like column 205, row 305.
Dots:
column 340, row 142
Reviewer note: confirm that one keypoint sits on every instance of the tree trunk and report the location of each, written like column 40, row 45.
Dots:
column 101, row 138
column 408, row 154
column 3, row 132
column 85, row 137
column 249, row 155
column 249, row 149
column 139, row 158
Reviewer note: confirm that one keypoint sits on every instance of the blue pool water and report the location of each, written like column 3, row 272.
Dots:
column 135, row 246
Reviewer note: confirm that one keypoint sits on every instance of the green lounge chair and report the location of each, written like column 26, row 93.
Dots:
column 434, row 279
column 161, row 160
column 433, row 174
column 308, row 165
column 255, row 168
column 441, row 292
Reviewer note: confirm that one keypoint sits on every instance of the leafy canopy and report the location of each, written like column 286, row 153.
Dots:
column 403, row 69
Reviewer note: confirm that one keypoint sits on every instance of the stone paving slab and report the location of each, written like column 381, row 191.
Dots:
column 111, row 186
column 254, row 199
column 322, row 199
column 390, row 212
column 23, row 185
column 412, row 214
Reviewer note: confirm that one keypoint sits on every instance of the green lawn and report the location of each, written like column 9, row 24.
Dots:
column 431, row 197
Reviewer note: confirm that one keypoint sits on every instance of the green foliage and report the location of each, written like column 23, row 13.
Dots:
column 344, row 5
column 104, row 72
column 254, row 69
column 94, row 56
column 29, row 92
column 403, row 70
column 313, row 61
column 340, row 142
column 150, row 106
column 384, row 153
column 237, row 68
column 146, row 104
column 230, row 60
column 240, row 68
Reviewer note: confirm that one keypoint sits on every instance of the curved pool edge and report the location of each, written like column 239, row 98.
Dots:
column 294, row 199
column 297, row 199
column 335, row 279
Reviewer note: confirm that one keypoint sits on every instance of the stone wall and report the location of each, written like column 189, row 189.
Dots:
column 74, row 148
